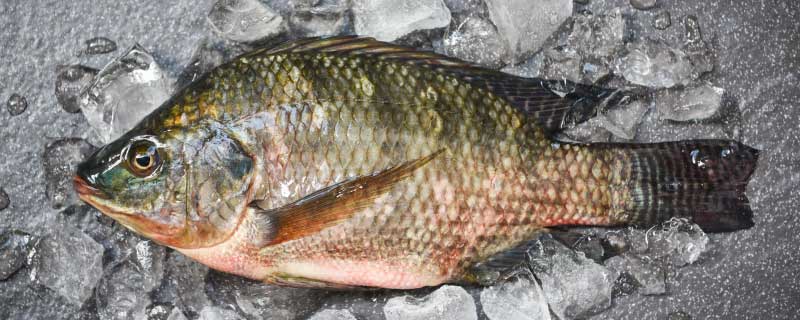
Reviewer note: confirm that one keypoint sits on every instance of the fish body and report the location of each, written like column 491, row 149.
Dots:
column 347, row 162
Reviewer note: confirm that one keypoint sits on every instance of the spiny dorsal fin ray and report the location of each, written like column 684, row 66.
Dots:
column 332, row 205
column 532, row 96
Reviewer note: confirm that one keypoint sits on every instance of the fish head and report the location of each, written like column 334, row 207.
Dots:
column 183, row 190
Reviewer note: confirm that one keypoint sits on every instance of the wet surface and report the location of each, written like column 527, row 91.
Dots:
column 749, row 274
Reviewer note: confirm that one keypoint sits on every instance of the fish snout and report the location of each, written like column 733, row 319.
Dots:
column 85, row 190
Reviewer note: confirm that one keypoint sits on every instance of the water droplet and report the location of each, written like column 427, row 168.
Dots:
column 100, row 45
column 4, row 200
column 16, row 104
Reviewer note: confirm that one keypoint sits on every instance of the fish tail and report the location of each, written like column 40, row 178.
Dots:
column 702, row 180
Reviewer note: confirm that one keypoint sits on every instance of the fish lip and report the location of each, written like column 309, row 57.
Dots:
column 85, row 190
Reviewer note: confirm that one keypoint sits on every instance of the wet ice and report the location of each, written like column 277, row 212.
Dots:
column 245, row 20
column 574, row 286
column 61, row 158
column 524, row 25
column 694, row 103
column 70, row 83
column 14, row 248
column 332, row 314
column 475, row 39
column 389, row 20
column 324, row 18
column 124, row 91
column 447, row 302
column 520, row 298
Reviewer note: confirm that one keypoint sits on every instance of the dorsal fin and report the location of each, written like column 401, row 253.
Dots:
column 555, row 104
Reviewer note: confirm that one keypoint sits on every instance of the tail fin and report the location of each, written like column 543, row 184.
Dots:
column 703, row 180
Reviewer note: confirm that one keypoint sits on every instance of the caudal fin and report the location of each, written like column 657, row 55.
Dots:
column 703, row 180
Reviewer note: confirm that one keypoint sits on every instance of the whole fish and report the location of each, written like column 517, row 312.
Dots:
column 348, row 162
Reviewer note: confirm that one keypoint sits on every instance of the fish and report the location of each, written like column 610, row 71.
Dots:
column 349, row 163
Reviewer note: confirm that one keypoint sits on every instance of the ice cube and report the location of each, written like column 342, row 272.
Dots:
column 447, row 302
column 121, row 295
column 655, row 64
column 326, row 18
column 176, row 314
column 587, row 52
column 70, row 82
column 526, row 24
column 589, row 131
column 245, row 20
column 261, row 301
column 457, row 6
column 61, row 158
column 14, row 248
column 4, row 200
column 186, row 279
column 332, row 314
column 643, row 4
column 649, row 276
column 694, row 103
column 16, row 104
column 389, row 20
column 623, row 120
column 662, row 20
column 520, row 298
column 206, row 57
column 217, row 313
column 575, row 286
column 68, row 262
column 99, row 45
column 125, row 90
column 476, row 40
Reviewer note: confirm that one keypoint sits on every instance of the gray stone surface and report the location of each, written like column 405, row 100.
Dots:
column 747, row 274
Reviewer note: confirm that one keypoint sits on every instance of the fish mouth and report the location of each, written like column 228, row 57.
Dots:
column 85, row 191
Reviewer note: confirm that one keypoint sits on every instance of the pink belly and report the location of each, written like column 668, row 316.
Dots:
column 362, row 273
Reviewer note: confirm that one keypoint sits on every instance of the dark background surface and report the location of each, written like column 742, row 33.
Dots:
column 752, row 274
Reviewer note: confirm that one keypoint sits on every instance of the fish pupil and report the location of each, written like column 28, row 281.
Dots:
column 143, row 160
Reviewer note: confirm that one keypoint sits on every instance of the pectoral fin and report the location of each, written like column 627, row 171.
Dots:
column 332, row 205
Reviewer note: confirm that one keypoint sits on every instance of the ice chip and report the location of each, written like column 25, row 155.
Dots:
column 245, row 20
column 125, row 90
column 206, row 57
column 14, row 248
column 649, row 276
column 447, row 302
column 217, row 313
column 693, row 103
column 122, row 293
column 187, row 279
column 99, row 45
column 389, row 20
column 574, row 286
column 326, row 18
column 655, row 64
column 457, row 6
column 643, row 4
column 518, row 299
column 526, row 24
column 587, row 52
column 16, row 104
column 70, row 82
column 176, row 314
column 68, row 262
column 662, row 20
column 332, row 314
column 476, row 40
column 259, row 301
column 61, row 158
column 675, row 242
column 623, row 121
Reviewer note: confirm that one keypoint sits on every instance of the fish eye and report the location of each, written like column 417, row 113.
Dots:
column 143, row 158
